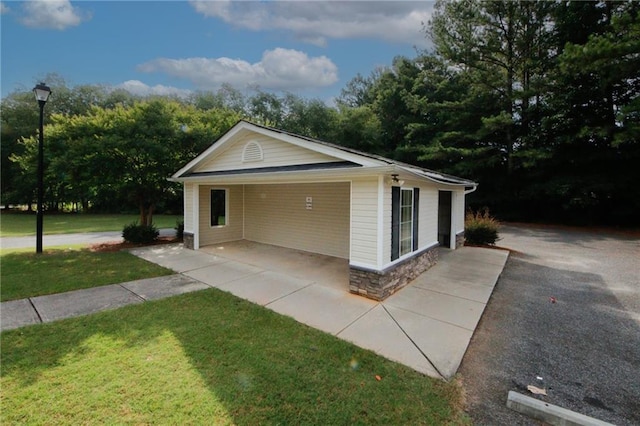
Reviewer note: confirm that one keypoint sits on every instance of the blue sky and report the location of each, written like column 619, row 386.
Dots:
column 311, row 48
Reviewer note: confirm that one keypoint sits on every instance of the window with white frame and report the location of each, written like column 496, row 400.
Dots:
column 218, row 207
column 404, row 221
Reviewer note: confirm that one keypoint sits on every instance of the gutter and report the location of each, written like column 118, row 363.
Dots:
column 469, row 191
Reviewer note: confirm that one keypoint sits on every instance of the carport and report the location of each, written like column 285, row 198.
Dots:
column 313, row 216
column 268, row 186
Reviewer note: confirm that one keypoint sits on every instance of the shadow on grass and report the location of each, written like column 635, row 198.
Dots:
column 259, row 366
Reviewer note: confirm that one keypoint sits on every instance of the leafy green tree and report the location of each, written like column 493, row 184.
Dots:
column 359, row 90
column 358, row 128
column 122, row 156
column 267, row 108
column 446, row 134
column 504, row 47
column 595, row 103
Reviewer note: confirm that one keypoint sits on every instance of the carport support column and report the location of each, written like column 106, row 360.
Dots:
column 196, row 217
column 191, row 239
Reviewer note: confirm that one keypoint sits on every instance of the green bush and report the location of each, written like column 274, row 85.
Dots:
column 179, row 229
column 480, row 228
column 140, row 234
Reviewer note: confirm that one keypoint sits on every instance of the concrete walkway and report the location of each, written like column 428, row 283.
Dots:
column 34, row 310
column 426, row 326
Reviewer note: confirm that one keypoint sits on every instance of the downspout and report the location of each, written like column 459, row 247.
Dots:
column 469, row 191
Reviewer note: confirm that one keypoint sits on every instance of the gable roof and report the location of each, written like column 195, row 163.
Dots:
column 348, row 157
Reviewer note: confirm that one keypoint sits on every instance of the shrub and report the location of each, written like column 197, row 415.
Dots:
column 140, row 234
column 179, row 229
column 480, row 228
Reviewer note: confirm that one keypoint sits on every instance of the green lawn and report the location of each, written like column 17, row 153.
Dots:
column 23, row 224
column 25, row 274
column 207, row 358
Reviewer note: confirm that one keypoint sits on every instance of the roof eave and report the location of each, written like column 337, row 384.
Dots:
column 438, row 178
column 288, row 175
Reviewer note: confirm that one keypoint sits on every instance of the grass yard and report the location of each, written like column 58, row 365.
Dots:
column 25, row 274
column 24, row 224
column 207, row 358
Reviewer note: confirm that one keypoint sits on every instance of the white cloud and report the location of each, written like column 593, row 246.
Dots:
column 279, row 69
column 52, row 14
column 4, row 8
column 317, row 21
column 138, row 88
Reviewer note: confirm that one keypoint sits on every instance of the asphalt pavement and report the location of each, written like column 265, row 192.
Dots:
column 70, row 239
column 564, row 317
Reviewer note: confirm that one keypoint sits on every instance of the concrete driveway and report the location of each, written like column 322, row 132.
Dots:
column 426, row 326
column 565, row 316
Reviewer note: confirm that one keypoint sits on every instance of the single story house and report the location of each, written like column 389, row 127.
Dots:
column 269, row 186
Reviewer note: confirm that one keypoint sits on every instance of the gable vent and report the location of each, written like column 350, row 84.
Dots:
column 252, row 152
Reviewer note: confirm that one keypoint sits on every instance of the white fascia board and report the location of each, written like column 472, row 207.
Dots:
column 289, row 176
column 433, row 177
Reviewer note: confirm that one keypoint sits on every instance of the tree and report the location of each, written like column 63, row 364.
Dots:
column 359, row 90
column 446, row 133
column 504, row 48
column 121, row 156
column 358, row 128
column 595, row 100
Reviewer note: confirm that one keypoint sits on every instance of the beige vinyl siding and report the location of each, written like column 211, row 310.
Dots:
column 364, row 222
column 458, row 212
column 386, row 225
column 234, row 221
column 188, row 207
column 428, row 221
column 275, row 153
column 278, row 215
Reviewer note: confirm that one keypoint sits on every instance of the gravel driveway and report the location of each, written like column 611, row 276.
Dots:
column 567, row 310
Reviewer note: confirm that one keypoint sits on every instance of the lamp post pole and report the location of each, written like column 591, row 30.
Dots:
column 39, row 218
column 42, row 93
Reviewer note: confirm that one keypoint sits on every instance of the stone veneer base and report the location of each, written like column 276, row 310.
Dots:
column 379, row 285
column 187, row 240
column 459, row 239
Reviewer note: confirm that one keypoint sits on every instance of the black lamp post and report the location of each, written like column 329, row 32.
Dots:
column 42, row 93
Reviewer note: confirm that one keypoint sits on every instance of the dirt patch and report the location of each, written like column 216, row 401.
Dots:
column 122, row 245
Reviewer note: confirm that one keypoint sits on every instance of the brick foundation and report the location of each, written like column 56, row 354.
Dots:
column 379, row 285
column 187, row 240
column 459, row 240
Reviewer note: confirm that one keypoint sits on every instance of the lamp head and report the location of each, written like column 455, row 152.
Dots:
column 42, row 92
column 395, row 181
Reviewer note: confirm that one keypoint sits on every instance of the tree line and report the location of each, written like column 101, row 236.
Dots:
column 537, row 101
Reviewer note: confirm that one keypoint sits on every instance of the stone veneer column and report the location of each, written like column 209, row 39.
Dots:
column 187, row 240
column 379, row 285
